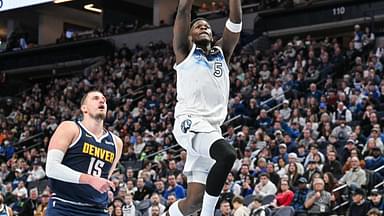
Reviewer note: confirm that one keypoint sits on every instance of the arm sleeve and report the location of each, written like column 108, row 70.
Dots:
column 56, row 170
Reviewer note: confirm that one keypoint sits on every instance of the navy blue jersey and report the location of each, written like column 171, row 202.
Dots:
column 87, row 155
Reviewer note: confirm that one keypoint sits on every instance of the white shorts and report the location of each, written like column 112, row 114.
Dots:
column 196, row 136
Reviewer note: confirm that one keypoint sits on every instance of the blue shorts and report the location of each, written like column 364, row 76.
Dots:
column 59, row 208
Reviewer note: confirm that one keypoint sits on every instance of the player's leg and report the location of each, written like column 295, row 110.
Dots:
column 212, row 145
column 191, row 203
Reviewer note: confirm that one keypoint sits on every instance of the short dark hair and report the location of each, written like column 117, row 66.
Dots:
column 196, row 20
column 82, row 101
column 264, row 174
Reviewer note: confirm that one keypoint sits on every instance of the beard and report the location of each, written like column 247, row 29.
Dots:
column 98, row 116
column 202, row 42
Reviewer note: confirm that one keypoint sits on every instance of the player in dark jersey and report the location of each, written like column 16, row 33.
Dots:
column 80, row 161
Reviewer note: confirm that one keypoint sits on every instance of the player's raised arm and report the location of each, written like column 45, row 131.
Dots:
column 181, row 43
column 232, row 29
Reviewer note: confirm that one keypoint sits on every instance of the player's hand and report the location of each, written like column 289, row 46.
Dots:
column 101, row 184
column 318, row 195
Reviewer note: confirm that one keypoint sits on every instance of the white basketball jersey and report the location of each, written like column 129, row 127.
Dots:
column 203, row 85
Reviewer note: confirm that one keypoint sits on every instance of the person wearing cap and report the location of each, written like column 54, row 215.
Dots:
column 42, row 207
column 291, row 143
column 286, row 110
column 377, row 200
column 292, row 158
column 355, row 175
column 376, row 159
column 263, row 121
column 300, row 196
column 290, row 52
column 282, row 154
column 359, row 206
column 311, row 169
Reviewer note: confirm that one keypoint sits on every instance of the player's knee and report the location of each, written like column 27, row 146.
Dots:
column 223, row 152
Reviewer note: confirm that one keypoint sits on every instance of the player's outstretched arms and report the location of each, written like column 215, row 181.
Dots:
column 64, row 135
column 181, row 43
column 233, row 26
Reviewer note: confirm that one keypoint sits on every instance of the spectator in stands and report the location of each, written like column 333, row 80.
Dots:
column 286, row 110
column 225, row 208
column 314, row 151
column 37, row 173
column 155, row 201
column 332, row 165
column 374, row 212
column 377, row 200
column 173, row 187
column 331, row 184
column 341, row 115
column 142, row 191
column 42, row 206
column 238, row 207
column 292, row 158
column 355, row 175
column 284, row 196
column 318, row 201
column 359, row 206
column 282, row 153
column 300, row 196
column 265, row 186
column 376, row 160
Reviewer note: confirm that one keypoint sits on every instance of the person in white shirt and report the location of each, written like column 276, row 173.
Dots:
column 265, row 187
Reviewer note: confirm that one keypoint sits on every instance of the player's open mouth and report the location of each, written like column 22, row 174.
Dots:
column 102, row 107
column 204, row 33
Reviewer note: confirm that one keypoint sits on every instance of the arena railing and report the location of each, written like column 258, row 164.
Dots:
column 274, row 98
column 29, row 139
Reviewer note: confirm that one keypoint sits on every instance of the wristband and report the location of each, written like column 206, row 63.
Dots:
column 233, row 27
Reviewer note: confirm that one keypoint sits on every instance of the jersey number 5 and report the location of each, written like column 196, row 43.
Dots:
column 95, row 167
column 218, row 67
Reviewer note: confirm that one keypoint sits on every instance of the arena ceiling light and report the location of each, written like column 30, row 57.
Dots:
column 92, row 8
column 61, row 1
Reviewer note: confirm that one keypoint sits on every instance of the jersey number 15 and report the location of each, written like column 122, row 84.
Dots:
column 95, row 167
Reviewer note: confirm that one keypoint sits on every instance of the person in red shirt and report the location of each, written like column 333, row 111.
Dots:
column 284, row 196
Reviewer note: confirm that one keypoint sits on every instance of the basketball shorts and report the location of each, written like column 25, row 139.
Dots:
column 60, row 208
column 196, row 136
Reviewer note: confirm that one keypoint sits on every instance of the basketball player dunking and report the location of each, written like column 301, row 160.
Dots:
column 81, row 158
column 202, row 98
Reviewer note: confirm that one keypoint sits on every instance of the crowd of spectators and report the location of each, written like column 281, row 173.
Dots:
column 310, row 121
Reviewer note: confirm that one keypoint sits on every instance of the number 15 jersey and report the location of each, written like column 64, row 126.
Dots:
column 203, row 85
column 89, row 155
